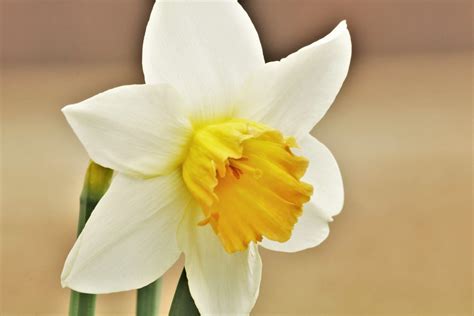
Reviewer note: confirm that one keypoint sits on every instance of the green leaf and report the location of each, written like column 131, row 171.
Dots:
column 148, row 299
column 183, row 303
column 96, row 183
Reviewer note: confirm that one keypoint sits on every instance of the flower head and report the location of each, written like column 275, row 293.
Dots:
column 212, row 157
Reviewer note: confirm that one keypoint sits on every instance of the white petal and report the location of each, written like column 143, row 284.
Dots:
column 137, row 130
column 293, row 94
column 328, row 198
column 130, row 238
column 205, row 49
column 220, row 283
column 324, row 175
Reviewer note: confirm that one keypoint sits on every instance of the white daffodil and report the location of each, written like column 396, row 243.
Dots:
column 204, row 158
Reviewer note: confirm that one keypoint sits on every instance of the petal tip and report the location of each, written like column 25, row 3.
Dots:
column 63, row 284
column 65, row 279
column 66, row 109
column 69, row 111
column 342, row 28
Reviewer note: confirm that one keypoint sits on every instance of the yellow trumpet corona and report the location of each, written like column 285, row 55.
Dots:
column 247, row 181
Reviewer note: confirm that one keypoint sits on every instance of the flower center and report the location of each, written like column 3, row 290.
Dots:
column 247, row 182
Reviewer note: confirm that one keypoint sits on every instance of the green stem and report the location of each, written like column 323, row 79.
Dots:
column 183, row 302
column 148, row 301
column 96, row 183
column 81, row 304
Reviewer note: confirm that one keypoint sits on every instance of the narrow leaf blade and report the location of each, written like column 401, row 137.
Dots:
column 183, row 303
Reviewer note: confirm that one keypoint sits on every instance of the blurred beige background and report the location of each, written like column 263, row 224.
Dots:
column 401, row 130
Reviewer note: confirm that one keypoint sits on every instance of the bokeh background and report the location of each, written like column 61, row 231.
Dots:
column 400, row 129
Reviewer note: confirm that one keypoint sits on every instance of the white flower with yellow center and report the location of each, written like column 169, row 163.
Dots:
column 205, row 158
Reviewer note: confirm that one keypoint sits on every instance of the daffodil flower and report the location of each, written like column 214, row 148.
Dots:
column 212, row 158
